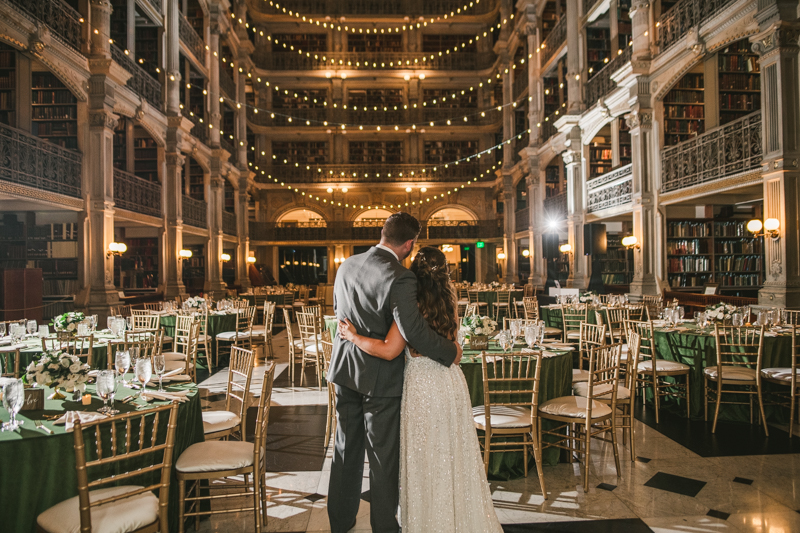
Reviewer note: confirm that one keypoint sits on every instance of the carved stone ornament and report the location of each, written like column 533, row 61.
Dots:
column 695, row 43
column 174, row 159
column 776, row 269
column 139, row 113
column 638, row 5
column 780, row 38
column 532, row 180
column 571, row 156
column 103, row 120
column 638, row 119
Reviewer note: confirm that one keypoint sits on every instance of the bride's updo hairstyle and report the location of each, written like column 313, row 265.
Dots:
column 435, row 293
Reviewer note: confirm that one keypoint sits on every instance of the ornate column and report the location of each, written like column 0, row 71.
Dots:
column 215, row 188
column 243, row 246
column 575, row 104
column 537, row 224
column 573, row 159
column 640, row 25
column 509, row 229
column 777, row 46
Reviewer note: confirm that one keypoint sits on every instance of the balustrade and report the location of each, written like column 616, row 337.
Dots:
column 268, row 60
column 58, row 15
column 28, row 160
column 612, row 189
column 556, row 38
column 378, row 7
column 403, row 118
column 229, row 223
column 136, row 194
column 226, row 143
column 677, row 21
column 520, row 81
column 722, row 151
column 601, row 83
column 350, row 231
column 192, row 40
column 282, row 117
column 548, row 126
column 556, row 206
column 200, row 129
column 194, row 212
column 365, row 173
column 141, row 82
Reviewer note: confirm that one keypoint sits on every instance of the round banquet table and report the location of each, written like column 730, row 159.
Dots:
column 490, row 297
column 31, row 349
column 37, row 470
column 217, row 323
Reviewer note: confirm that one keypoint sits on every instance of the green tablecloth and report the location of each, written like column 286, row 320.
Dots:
column 216, row 324
column 37, row 470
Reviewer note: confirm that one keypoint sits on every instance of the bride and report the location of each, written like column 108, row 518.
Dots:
column 443, row 483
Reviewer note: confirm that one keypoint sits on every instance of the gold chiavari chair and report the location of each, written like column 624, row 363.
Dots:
column 231, row 420
column 472, row 309
column 153, row 306
column 791, row 317
column 210, row 460
column 127, row 448
column 79, row 346
column 240, row 336
column 617, row 317
column 462, row 302
column 288, row 302
column 637, row 312
column 786, row 377
column 187, row 331
column 330, row 421
column 203, row 337
column 572, row 316
column 739, row 354
column 147, row 343
column 530, row 307
column 240, row 304
column 591, row 336
column 511, row 407
column 651, row 303
column 309, row 338
column 295, row 345
column 263, row 334
column 120, row 310
column 651, row 370
column 9, row 361
column 586, row 416
column 142, row 320
column 503, row 304
column 302, row 299
column 474, row 298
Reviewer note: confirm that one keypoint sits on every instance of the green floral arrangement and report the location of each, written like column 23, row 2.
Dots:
column 58, row 369
column 477, row 325
column 68, row 321
column 587, row 297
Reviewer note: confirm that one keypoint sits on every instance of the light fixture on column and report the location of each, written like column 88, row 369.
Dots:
column 565, row 248
column 526, row 253
column 116, row 248
column 184, row 254
column 771, row 228
column 447, row 248
column 631, row 242
column 501, row 255
column 251, row 259
column 225, row 257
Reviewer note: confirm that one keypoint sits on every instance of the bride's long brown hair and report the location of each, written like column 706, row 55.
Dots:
column 435, row 294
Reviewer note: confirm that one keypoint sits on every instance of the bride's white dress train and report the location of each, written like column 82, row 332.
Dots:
column 443, row 484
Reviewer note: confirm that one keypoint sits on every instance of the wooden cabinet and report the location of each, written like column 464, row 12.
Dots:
column 21, row 294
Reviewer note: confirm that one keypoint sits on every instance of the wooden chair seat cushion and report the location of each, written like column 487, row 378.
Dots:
column 214, row 421
column 734, row 373
column 503, row 416
column 573, row 407
column 120, row 516
column 214, row 456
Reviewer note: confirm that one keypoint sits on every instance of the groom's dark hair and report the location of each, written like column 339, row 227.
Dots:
column 400, row 228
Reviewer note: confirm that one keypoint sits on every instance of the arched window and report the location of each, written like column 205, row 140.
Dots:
column 301, row 218
column 372, row 217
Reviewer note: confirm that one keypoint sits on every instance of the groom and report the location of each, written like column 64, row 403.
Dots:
column 372, row 290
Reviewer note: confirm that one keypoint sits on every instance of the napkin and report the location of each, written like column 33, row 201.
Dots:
column 70, row 417
column 770, row 334
column 12, row 347
column 176, row 377
column 168, row 396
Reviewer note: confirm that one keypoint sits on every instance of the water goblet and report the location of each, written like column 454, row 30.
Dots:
column 83, row 329
column 144, row 371
column 515, row 328
column 13, row 398
column 31, row 327
column 159, row 365
column 681, row 312
column 737, row 320
column 531, row 335
column 109, row 378
column 101, row 386
column 17, row 332
column 93, row 322
column 699, row 318
column 122, row 362
column 129, row 323
column 44, row 331
column 110, row 323
column 2, row 329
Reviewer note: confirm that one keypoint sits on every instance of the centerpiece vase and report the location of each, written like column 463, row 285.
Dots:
column 57, row 395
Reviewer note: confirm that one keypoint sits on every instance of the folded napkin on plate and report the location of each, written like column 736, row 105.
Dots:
column 168, row 396
column 176, row 377
column 770, row 334
column 12, row 347
column 70, row 417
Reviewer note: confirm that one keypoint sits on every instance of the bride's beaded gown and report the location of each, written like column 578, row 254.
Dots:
column 443, row 485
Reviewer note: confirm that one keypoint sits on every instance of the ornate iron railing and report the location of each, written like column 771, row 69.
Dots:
column 348, row 231
column 200, row 129
column 226, row 83
column 379, row 7
column 192, row 40
column 611, row 189
column 135, row 194
column 601, row 83
column 60, row 17
column 587, row 6
column 228, row 144
column 194, row 212
column 269, row 60
column 464, row 229
column 229, row 223
column 365, row 173
column 723, row 151
column 554, row 40
column 522, row 219
column 280, row 117
column 676, row 22
column 141, row 82
column 548, row 126
column 31, row 161
column 556, row 206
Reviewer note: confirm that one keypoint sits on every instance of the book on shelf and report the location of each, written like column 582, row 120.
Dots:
column 687, row 247
column 741, row 263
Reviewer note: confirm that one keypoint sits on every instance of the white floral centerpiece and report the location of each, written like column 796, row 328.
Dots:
column 478, row 328
column 194, row 302
column 58, row 370
column 720, row 312
column 587, row 297
column 68, row 321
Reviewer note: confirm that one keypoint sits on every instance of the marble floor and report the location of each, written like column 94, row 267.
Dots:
column 668, row 488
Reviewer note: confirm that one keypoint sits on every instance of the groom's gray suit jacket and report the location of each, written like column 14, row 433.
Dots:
column 372, row 290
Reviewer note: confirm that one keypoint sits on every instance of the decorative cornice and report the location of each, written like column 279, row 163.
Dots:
column 103, row 119
column 15, row 189
column 752, row 177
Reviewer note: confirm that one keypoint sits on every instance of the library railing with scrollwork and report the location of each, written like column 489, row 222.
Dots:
column 226, row 84
column 601, row 83
column 556, row 38
column 200, row 129
column 269, row 60
column 58, row 15
column 229, row 223
column 156, row 4
column 519, row 144
column 140, row 82
column 723, row 151
column 367, row 231
column 227, row 144
column 28, row 160
column 365, row 173
column 556, row 206
column 379, row 7
column 612, row 189
column 136, row 194
column 686, row 14
column 191, row 39
column 463, row 229
column 194, row 212
column 548, row 126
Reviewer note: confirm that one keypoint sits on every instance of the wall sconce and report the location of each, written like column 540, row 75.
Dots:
column 251, row 259
column 116, row 248
column 526, row 253
column 565, row 248
column 631, row 242
column 447, row 248
column 771, row 228
column 225, row 257
column 184, row 254
column 501, row 255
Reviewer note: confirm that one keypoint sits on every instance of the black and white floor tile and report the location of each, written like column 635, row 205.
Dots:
column 683, row 480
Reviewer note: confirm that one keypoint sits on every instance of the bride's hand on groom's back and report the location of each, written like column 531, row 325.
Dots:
column 347, row 330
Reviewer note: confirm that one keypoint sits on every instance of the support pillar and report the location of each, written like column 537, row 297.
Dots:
column 578, row 263
column 537, row 224
column 575, row 69
column 509, row 229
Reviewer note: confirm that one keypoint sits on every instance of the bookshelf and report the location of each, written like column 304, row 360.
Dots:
column 145, row 152
column 701, row 251
column 443, row 98
column 617, row 265
column 551, row 14
column 55, row 111
column 554, row 184
column 383, row 43
column 600, row 158
column 310, row 42
column 147, row 48
column 739, row 82
column 300, row 152
column 598, row 49
column 230, row 198
column 120, row 145
column 684, row 111
column 447, row 151
column 438, row 42
column 299, row 99
column 197, row 184
column 138, row 267
column 376, row 152
column 625, row 153
column 372, row 98
column 8, row 85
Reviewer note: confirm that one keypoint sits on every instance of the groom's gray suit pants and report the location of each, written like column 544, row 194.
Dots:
column 371, row 423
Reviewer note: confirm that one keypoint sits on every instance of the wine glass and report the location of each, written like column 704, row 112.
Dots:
column 144, row 371
column 110, row 323
column 515, row 325
column 681, row 312
column 13, row 398
column 737, row 320
column 17, row 332
column 122, row 362
column 44, row 331
column 505, row 340
column 2, row 329
column 93, row 322
column 110, row 379
column 31, row 327
column 531, row 334
column 129, row 323
column 103, row 390
column 159, row 365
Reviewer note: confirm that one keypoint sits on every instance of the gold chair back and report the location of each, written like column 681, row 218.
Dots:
column 79, row 346
column 240, row 373
column 531, row 306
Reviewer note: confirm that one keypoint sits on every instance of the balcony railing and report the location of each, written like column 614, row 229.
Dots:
column 463, row 229
column 548, row 126
column 28, row 160
column 349, row 231
column 200, row 129
column 402, row 117
column 194, row 212
column 141, row 82
column 269, row 60
column 519, row 144
column 365, row 173
column 676, row 22
column 601, row 83
column 556, row 206
column 229, row 223
column 522, row 219
column 723, row 151
column 60, row 17
column 192, row 40
column 611, row 189
column 226, row 83
column 135, row 194
column 378, row 7
column 554, row 40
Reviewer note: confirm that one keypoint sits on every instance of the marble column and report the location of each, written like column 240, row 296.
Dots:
column 509, row 228
column 578, row 263
column 214, row 190
column 575, row 66
column 537, row 224
column 243, row 246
